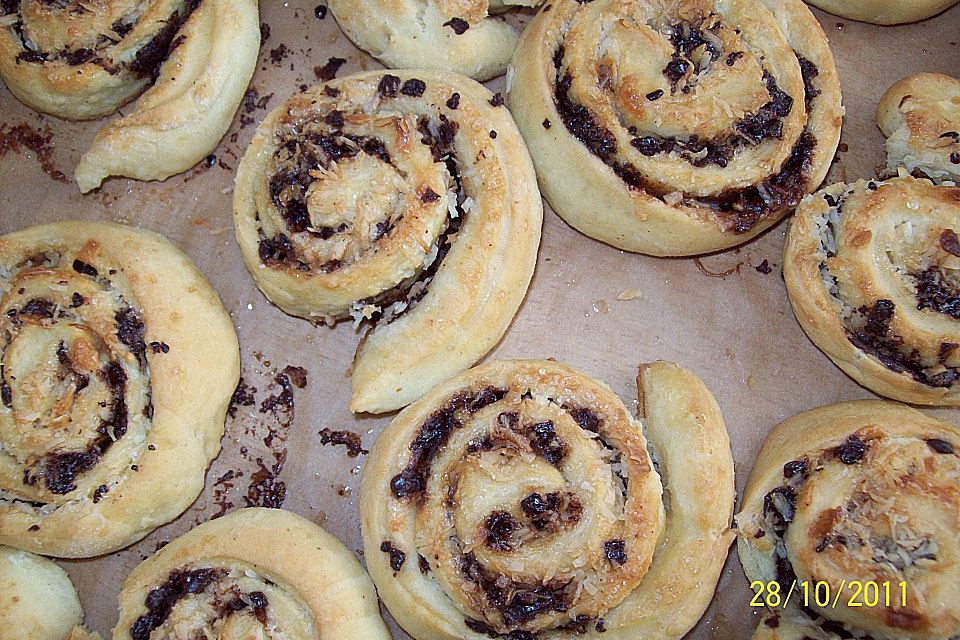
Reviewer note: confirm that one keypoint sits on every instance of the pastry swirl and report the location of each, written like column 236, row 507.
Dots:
column 112, row 402
column 871, row 271
column 857, row 491
column 920, row 116
column 408, row 200
column 254, row 573
column 520, row 499
column 462, row 36
column 84, row 60
column 884, row 12
column 37, row 599
column 680, row 129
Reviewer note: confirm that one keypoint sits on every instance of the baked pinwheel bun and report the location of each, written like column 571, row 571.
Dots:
column 254, row 573
column 117, row 362
column 37, row 599
column 920, row 116
column 521, row 499
column 408, row 201
column 861, row 492
column 884, row 12
column 82, row 60
column 676, row 128
column 871, row 270
column 463, row 36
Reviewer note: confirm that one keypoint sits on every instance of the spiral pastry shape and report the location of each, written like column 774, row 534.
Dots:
column 920, row 116
column 462, row 36
column 83, row 60
column 676, row 128
column 864, row 492
column 872, row 273
column 885, row 12
column 522, row 500
column 117, row 362
column 405, row 200
column 37, row 599
column 254, row 573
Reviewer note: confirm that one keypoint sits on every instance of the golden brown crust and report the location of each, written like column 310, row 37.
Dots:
column 461, row 36
column 37, row 599
column 409, row 200
column 920, row 116
column 533, row 475
column 255, row 573
column 869, row 270
column 863, row 491
column 54, row 60
column 611, row 129
column 884, row 11
column 114, row 402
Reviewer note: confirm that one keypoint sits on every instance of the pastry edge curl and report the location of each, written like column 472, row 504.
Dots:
column 682, row 418
column 188, row 419
column 481, row 52
column 37, row 599
column 466, row 320
column 884, row 12
column 606, row 209
column 178, row 121
column 699, row 417
column 791, row 439
column 811, row 307
column 901, row 141
column 311, row 561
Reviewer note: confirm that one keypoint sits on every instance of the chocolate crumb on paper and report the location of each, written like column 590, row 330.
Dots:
column 22, row 137
column 328, row 71
column 348, row 439
column 764, row 268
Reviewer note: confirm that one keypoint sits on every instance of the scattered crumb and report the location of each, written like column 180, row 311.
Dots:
column 764, row 267
column 628, row 294
column 23, row 137
column 328, row 71
column 349, row 439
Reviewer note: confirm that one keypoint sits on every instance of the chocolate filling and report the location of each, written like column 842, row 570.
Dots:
column 60, row 470
column 482, row 627
column 38, row 308
column 852, row 451
column 397, row 557
column 739, row 210
column 551, row 511
column 937, row 293
column 161, row 600
column 517, row 601
column 544, row 440
column 499, row 529
column 145, row 62
column 940, row 446
column 434, row 434
column 130, row 331
column 257, row 601
column 85, row 269
column 616, row 551
column 877, row 339
column 289, row 186
column 459, row 25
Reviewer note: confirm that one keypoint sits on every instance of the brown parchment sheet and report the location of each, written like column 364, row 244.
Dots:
column 737, row 332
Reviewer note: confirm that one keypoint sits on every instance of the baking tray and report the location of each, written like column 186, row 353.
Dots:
column 736, row 330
